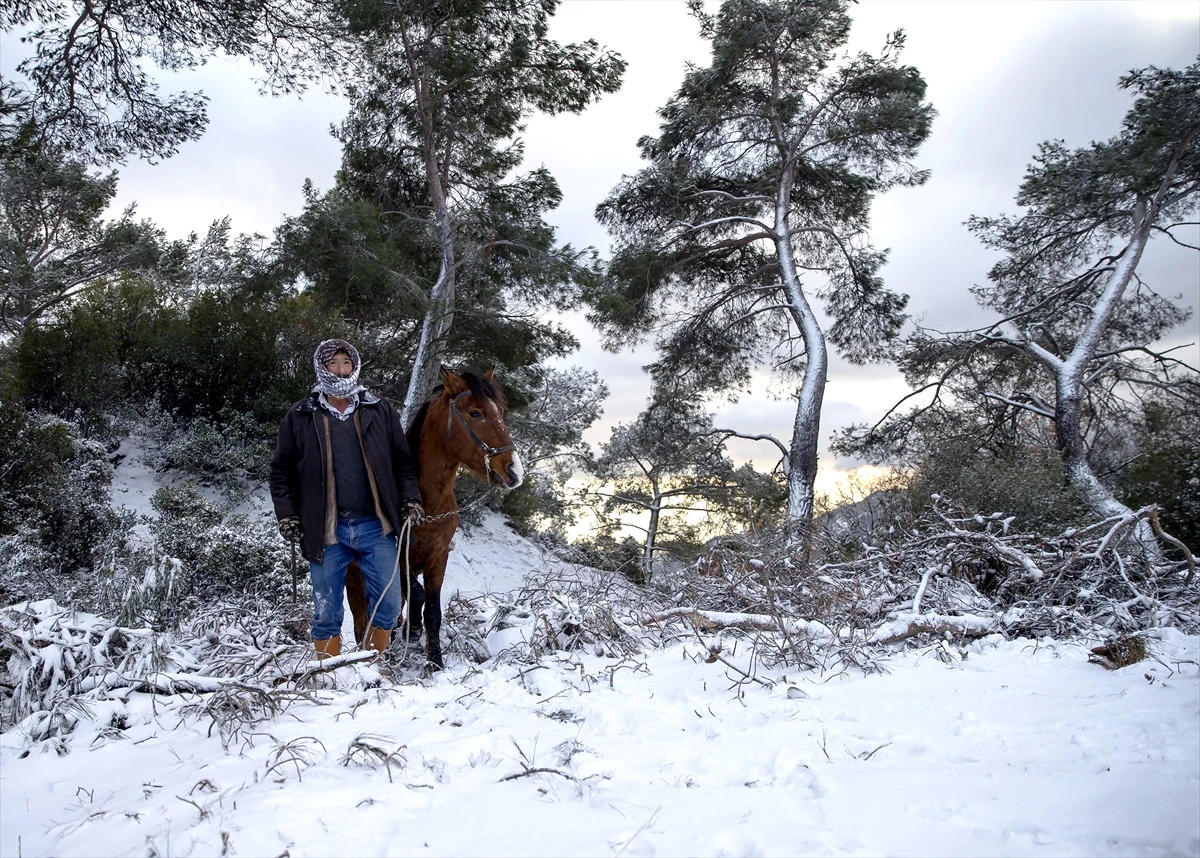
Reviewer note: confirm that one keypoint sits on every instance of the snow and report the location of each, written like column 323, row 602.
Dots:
column 1019, row 749
column 1001, row 747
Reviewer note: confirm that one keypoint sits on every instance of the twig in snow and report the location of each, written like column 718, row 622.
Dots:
column 539, row 770
column 641, row 828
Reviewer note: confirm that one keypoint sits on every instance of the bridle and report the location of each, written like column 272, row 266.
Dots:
column 488, row 450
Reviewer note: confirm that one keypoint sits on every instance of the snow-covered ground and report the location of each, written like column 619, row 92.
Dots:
column 1018, row 748
column 1014, row 747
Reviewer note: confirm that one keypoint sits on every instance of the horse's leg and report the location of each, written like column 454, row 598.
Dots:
column 415, row 596
column 356, row 595
column 435, row 571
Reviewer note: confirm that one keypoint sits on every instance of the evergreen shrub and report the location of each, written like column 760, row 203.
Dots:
column 55, row 515
column 195, row 555
column 225, row 554
column 1030, row 484
column 1166, row 470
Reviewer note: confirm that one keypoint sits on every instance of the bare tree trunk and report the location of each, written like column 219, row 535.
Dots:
column 1069, row 386
column 1070, row 443
column 439, row 314
column 651, row 536
column 435, row 328
column 802, row 454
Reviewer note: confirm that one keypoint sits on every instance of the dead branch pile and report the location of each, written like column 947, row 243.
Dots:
column 238, row 664
column 956, row 575
column 558, row 608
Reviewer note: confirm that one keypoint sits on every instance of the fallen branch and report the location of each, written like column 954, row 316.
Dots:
column 1156, row 526
column 537, row 771
column 709, row 620
column 1032, row 572
column 910, row 625
column 326, row 665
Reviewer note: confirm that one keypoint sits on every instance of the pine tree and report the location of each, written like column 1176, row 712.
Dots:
column 667, row 462
column 1078, row 326
column 85, row 88
column 756, row 202
column 54, row 243
column 431, row 139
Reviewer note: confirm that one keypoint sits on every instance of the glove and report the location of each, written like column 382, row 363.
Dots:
column 414, row 512
column 289, row 529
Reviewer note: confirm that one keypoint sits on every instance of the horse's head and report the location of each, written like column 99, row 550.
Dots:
column 475, row 430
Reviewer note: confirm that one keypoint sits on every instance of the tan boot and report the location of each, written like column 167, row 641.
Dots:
column 328, row 647
column 378, row 639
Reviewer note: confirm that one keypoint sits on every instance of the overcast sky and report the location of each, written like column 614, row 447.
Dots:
column 1003, row 76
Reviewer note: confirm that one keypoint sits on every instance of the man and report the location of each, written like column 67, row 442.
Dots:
column 343, row 482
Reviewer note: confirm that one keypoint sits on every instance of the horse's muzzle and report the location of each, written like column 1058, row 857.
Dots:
column 514, row 473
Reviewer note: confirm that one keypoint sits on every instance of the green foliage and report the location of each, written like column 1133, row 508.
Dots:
column 1029, row 484
column 99, row 352
column 132, row 343
column 53, row 492
column 1166, row 469
column 54, row 243
column 86, row 86
column 222, row 355
column 230, row 453
column 197, row 555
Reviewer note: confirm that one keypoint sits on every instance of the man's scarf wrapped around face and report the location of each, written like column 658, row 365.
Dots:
column 327, row 382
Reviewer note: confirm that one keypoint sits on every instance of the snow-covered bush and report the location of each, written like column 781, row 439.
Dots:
column 227, row 554
column 56, row 664
column 196, row 555
column 55, row 518
column 952, row 575
column 230, row 455
column 1164, row 467
column 1029, row 484
column 585, row 609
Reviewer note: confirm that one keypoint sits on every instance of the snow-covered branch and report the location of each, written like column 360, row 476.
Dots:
column 709, row 620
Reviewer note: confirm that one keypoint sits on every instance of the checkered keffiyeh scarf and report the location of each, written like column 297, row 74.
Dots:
column 327, row 382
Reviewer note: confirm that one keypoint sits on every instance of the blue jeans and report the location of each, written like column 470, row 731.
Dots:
column 358, row 539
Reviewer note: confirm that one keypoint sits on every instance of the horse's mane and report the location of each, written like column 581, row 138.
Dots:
column 482, row 388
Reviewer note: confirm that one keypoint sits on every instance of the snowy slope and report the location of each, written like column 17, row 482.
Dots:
column 1001, row 748
column 1021, row 749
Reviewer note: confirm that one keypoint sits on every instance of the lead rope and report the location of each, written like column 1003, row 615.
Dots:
column 404, row 541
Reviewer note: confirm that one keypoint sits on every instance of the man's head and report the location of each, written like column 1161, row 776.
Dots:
column 337, row 364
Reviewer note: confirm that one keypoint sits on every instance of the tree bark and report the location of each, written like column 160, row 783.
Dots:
column 802, row 453
column 1069, row 385
column 439, row 314
column 651, row 536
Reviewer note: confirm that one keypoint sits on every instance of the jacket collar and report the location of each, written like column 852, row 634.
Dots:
column 310, row 403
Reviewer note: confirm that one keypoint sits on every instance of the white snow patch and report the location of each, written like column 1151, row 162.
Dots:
column 1024, row 748
column 1013, row 748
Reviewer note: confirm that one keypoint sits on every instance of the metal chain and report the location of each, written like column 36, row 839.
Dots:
column 430, row 519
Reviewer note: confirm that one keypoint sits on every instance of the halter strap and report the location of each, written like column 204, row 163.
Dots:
column 488, row 450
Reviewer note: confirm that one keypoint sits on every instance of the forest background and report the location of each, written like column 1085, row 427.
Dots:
column 189, row 320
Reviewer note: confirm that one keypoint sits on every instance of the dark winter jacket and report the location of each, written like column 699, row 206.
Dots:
column 302, row 468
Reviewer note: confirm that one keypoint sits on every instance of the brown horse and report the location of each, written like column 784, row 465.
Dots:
column 461, row 426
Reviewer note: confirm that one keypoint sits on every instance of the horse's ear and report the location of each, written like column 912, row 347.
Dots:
column 454, row 384
column 490, row 374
